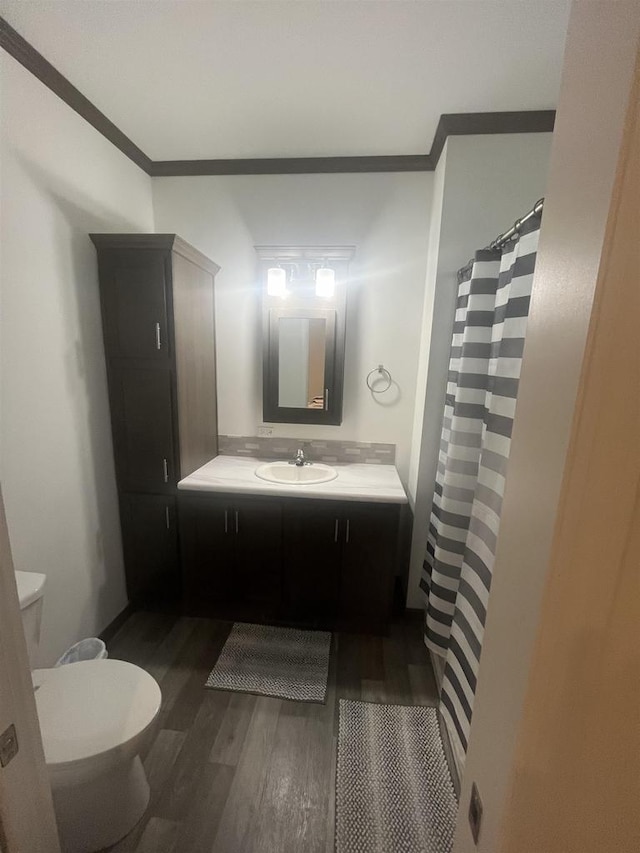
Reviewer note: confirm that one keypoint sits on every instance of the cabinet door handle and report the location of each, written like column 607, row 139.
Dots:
column 335, row 532
column 165, row 470
column 158, row 341
column 226, row 521
column 326, row 399
column 166, row 517
column 346, row 538
column 237, row 525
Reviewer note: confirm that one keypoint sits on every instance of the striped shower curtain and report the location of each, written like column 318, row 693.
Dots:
column 486, row 354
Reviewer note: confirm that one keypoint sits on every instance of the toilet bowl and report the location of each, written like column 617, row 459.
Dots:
column 95, row 717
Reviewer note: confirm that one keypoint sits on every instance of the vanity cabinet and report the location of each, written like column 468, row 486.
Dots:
column 312, row 555
column 150, row 543
column 313, row 563
column 143, row 428
column 369, row 557
column 231, row 551
column 156, row 294
column 339, row 563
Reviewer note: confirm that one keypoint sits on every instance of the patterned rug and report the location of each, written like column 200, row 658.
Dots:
column 394, row 793
column 282, row 662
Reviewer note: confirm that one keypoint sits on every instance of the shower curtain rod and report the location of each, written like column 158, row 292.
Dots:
column 500, row 241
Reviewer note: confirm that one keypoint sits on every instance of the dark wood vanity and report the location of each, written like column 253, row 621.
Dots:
column 156, row 294
column 327, row 563
column 299, row 561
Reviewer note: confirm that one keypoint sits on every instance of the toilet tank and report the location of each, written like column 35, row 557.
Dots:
column 30, row 592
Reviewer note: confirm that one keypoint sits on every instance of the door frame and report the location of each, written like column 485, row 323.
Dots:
column 27, row 820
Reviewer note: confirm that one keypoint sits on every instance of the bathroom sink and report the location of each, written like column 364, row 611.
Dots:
column 307, row 475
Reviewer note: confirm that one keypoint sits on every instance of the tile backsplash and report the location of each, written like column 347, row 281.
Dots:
column 316, row 450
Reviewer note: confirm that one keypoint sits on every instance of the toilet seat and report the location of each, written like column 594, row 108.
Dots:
column 93, row 711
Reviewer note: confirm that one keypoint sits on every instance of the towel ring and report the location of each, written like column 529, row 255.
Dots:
column 381, row 371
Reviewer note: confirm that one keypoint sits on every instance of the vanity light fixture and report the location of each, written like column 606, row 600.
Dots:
column 276, row 281
column 325, row 282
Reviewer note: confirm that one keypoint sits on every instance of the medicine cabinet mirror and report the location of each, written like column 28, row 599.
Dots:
column 304, row 321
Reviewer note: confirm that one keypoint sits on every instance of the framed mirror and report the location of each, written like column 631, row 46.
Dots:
column 304, row 321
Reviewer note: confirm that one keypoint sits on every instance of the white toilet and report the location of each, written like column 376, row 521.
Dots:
column 94, row 718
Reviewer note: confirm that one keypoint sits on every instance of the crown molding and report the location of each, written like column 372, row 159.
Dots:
column 472, row 124
column 41, row 68
column 452, row 124
column 292, row 165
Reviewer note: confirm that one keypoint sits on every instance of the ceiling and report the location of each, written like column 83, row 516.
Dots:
column 297, row 78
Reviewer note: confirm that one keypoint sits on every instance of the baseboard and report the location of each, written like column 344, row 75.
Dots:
column 414, row 614
column 114, row 626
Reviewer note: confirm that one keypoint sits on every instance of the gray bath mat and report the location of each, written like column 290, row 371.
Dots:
column 394, row 793
column 282, row 662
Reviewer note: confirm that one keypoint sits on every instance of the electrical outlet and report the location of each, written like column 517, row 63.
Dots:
column 264, row 432
column 475, row 812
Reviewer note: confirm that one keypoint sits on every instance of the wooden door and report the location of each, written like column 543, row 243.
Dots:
column 207, row 544
column 257, row 528
column 27, row 820
column 143, row 429
column 149, row 532
column 134, row 293
column 369, row 554
column 313, row 531
column 575, row 777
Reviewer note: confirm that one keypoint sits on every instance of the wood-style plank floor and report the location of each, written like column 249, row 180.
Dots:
column 232, row 772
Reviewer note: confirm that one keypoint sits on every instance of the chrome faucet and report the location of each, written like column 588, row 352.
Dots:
column 299, row 460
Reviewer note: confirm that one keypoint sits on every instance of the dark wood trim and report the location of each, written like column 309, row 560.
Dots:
column 169, row 242
column 114, row 626
column 470, row 124
column 414, row 614
column 41, row 68
column 451, row 124
column 301, row 253
column 133, row 241
column 292, row 166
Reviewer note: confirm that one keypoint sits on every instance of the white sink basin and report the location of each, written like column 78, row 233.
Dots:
column 307, row 475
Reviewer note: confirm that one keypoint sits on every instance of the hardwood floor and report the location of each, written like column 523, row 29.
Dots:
column 232, row 772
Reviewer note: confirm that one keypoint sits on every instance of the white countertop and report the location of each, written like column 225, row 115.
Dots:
column 355, row 482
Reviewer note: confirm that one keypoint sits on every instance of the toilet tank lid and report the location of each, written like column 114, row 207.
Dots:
column 30, row 587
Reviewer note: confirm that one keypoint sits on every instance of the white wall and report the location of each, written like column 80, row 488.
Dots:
column 386, row 216
column 485, row 183
column 60, row 181
column 602, row 42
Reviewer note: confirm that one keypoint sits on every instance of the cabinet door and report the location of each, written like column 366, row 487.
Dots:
column 257, row 526
column 207, row 554
column 149, row 534
column 368, row 566
column 135, row 304
column 143, row 430
column 312, row 533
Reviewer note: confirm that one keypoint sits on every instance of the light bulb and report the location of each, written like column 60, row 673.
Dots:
column 276, row 281
column 325, row 282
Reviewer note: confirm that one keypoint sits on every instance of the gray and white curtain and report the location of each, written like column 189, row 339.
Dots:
column 486, row 355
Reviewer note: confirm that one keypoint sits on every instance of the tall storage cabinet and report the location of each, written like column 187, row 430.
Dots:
column 156, row 294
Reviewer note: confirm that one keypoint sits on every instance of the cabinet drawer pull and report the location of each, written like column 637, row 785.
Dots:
column 335, row 532
column 166, row 517
column 226, row 521
column 165, row 470
column 237, row 525
column 326, row 399
column 346, row 538
column 158, row 341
